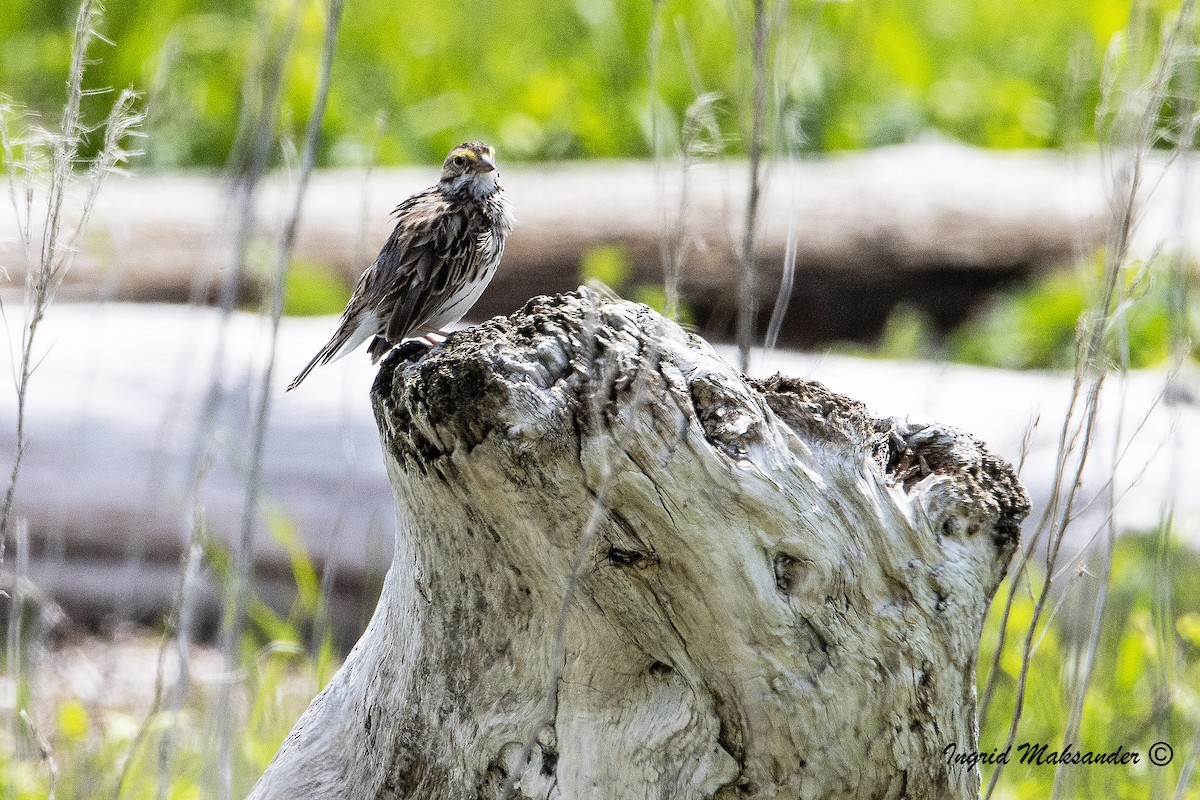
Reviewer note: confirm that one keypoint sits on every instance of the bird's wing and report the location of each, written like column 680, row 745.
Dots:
column 421, row 263
column 396, row 274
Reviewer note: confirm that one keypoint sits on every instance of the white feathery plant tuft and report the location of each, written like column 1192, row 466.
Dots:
column 50, row 258
column 41, row 168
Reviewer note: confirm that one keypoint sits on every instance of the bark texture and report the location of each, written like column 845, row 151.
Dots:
column 780, row 597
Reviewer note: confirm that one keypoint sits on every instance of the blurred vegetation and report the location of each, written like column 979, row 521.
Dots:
column 612, row 266
column 1035, row 326
column 91, row 745
column 1144, row 687
column 571, row 80
column 1143, row 690
column 310, row 289
column 289, row 658
column 548, row 80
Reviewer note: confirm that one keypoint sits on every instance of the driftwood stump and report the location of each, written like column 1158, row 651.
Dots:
column 769, row 593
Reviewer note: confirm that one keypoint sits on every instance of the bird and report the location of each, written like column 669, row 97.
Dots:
column 442, row 254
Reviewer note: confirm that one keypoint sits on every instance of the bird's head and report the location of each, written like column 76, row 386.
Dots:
column 470, row 170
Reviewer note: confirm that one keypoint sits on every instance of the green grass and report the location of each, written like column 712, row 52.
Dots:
column 92, row 747
column 1144, row 690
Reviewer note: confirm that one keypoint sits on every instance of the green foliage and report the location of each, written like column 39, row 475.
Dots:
column 1037, row 326
column 569, row 79
column 907, row 334
column 612, row 266
column 311, row 290
column 91, row 746
column 655, row 296
column 1143, row 689
column 1026, row 329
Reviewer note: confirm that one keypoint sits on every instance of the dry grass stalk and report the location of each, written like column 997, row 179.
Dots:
column 49, row 260
column 243, row 552
column 748, row 286
column 1130, row 111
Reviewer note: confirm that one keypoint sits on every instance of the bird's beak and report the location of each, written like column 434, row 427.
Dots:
column 485, row 164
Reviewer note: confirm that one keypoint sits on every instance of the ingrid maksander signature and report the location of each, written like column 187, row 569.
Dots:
column 1038, row 754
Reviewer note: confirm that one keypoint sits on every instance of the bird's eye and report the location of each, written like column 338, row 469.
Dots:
column 459, row 161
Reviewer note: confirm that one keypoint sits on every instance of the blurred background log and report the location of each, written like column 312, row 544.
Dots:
column 116, row 404
column 114, row 419
column 935, row 226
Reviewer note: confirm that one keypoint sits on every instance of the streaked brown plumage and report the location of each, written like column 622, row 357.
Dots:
column 443, row 252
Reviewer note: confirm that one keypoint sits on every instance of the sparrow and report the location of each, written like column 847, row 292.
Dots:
column 442, row 254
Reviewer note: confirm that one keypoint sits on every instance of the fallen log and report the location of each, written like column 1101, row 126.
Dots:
column 936, row 226
column 623, row 570
column 105, row 485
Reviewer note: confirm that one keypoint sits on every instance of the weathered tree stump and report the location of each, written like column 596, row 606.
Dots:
column 779, row 596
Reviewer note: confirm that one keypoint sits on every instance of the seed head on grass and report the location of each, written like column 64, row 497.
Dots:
column 50, row 259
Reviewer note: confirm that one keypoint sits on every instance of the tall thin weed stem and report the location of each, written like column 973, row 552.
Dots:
column 701, row 138
column 247, row 166
column 176, row 639
column 747, row 254
column 790, row 135
column 1132, row 132
column 243, row 552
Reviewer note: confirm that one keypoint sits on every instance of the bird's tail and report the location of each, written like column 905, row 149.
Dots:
column 323, row 356
column 350, row 334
